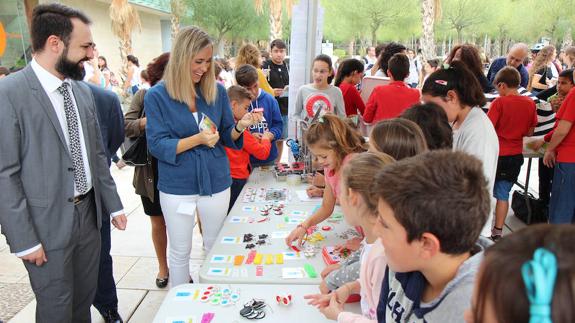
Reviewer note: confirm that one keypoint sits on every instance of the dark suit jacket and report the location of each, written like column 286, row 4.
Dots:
column 110, row 118
column 36, row 169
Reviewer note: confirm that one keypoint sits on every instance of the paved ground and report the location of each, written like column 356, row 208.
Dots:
column 135, row 265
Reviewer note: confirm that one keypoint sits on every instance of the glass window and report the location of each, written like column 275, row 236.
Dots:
column 14, row 36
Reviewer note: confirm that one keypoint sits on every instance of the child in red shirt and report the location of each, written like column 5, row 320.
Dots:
column 561, row 153
column 240, row 167
column 564, row 85
column 513, row 116
column 348, row 75
column 390, row 100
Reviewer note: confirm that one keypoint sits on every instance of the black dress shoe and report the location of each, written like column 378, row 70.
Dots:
column 112, row 316
column 162, row 282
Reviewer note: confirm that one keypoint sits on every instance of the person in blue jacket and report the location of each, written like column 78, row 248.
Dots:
column 247, row 77
column 189, row 121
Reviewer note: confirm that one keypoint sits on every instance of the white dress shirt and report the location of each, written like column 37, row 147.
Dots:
column 50, row 83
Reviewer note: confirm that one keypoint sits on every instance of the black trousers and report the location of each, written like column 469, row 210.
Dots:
column 106, row 297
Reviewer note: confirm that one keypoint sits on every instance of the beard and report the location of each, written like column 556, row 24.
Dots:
column 70, row 69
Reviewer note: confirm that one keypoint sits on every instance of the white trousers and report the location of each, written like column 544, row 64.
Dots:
column 180, row 222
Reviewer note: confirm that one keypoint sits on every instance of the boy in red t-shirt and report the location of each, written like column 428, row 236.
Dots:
column 561, row 153
column 240, row 167
column 390, row 100
column 564, row 85
column 513, row 116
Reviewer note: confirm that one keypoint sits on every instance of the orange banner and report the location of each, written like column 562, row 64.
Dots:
column 2, row 40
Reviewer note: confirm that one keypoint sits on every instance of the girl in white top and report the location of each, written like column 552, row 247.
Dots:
column 457, row 91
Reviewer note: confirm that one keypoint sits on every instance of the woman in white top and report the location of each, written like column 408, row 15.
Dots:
column 132, row 83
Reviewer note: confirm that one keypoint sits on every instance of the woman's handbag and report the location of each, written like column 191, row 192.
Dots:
column 136, row 153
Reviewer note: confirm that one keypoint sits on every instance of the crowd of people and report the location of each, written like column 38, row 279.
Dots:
column 427, row 189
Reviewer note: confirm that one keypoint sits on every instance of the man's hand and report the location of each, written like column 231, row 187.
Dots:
column 120, row 221
column 278, row 92
column 38, row 257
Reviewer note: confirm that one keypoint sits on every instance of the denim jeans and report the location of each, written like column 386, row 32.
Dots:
column 562, row 207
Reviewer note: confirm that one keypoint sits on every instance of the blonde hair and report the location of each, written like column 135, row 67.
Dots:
column 178, row 76
column 249, row 54
column 541, row 60
column 358, row 175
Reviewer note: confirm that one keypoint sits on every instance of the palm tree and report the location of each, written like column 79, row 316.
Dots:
column 125, row 20
column 276, row 7
column 431, row 11
column 177, row 7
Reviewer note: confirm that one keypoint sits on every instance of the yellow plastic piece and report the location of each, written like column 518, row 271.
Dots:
column 269, row 259
column 258, row 259
column 279, row 259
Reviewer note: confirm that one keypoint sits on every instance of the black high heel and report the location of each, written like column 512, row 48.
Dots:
column 162, row 282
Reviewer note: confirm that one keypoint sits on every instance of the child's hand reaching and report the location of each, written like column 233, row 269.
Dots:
column 352, row 244
column 329, row 269
column 332, row 311
column 250, row 119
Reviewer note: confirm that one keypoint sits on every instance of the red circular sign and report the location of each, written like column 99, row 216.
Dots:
column 317, row 101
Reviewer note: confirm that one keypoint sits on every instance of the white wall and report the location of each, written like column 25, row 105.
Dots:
column 146, row 44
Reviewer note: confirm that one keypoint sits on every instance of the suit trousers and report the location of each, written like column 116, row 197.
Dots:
column 106, row 296
column 65, row 285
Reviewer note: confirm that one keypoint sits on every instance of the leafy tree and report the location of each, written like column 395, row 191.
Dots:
column 460, row 15
column 222, row 17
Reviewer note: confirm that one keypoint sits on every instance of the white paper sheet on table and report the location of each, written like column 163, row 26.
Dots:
column 303, row 197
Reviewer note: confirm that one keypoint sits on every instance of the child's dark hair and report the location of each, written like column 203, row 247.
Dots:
column 398, row 66
column 238, row 93
column 441, row 192
column 346, row 68
column 144, row 75
column 455, row 77
column 434, row 62
column 390, row 50
column 501, row 281
column 357, row 175
column 326, row 59
column 433, row 122
column 330, row 132
column 133, row 59
column 568, row 74
column 509, row 76
column 379, row 49
column 246, row 75
column 399, row 138
column 278, row 43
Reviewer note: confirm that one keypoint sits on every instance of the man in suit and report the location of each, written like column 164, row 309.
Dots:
column 54, row 179
column 111, row 121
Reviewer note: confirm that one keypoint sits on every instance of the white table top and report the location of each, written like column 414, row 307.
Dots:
column 237, row 224
column 180, row 306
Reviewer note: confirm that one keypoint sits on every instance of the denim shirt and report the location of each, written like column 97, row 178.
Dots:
column 201, row 170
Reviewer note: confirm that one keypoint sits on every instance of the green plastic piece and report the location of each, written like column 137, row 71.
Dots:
column 310, row 271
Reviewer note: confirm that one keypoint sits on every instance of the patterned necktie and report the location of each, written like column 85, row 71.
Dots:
column 80, row 180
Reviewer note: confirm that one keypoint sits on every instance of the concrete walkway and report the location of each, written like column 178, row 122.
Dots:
column 135, row 264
